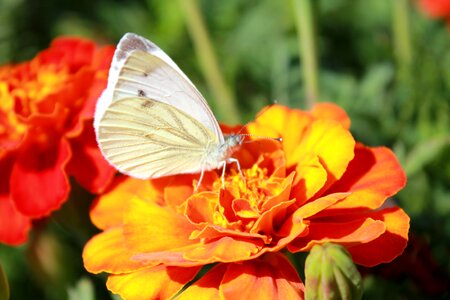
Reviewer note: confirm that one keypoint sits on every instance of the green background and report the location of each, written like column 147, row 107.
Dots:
column 385, row 62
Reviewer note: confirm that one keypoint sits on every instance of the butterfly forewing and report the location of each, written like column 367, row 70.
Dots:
column 141, row 69
column 147, row 139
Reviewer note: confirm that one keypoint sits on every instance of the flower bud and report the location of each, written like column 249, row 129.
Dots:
column 331, row 274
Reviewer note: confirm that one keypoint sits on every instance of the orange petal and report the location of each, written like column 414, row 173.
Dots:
column 330, row 111
column 150, row 227
column 108, row 209
column 107, row 252
column 225, row 249
column 280, row 189
column 207, row 287
column 278, row 120
column 310, row 177
column 321, row 204
column 270, row 277
column 295, row 226
column 271, row 218
column 371, row 177
column 201, row 207
column 390, row 244
column 159, row 282
column 347, row 234
column 333, row 145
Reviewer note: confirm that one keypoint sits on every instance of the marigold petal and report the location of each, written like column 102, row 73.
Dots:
column 348, row 234
column 225, row 249
column 159, row 282
column 295, row 226
column 271, row 218
column 15, row 226
column 330, row 111
column 200, row 207
column 270, row 277
column 207, row 287
column 108, row 210
column 39, row 183
column 371, row 177
column 316, row 206
column 107, row 252
column 310, row 177
column 282, row 121
column 333, row 145
column 390, row 244
column 150, row 227
column 88, row 166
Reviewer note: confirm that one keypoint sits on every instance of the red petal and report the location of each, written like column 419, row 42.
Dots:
column 371, row 177
column 15, row 226
column 357, row 231
column 39, row 183
column 88, row 166
column 390, row 244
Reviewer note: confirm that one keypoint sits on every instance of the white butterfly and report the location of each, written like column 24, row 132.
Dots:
column 151, row 121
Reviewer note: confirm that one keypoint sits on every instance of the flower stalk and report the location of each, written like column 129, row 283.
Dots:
column 304, row 19
column 224, row 99
column 402, row 35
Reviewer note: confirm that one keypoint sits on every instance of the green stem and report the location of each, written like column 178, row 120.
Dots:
column 303, row 11
column 402, row 35
column 224, row 99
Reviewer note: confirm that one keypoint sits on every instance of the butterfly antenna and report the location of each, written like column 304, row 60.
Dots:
column 264, row 110
column 278, row 139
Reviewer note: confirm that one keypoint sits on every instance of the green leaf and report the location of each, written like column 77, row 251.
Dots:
column 424, row 153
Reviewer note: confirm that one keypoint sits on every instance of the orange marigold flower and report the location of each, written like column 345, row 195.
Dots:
column 46, row 134
column 314, row 187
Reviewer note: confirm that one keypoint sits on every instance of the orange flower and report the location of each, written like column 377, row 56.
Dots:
column 46, row 109
column 316, row 186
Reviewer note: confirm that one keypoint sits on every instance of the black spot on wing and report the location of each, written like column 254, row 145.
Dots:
column 141, row 93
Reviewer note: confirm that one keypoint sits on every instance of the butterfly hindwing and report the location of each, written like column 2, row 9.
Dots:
column 147, row 139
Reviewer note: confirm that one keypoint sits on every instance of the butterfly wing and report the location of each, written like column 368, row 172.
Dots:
column 145, row 138
column 142, row 69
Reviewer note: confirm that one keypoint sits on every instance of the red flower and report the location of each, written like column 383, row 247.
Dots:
column 436, row 8
column 46, row 110
column 315, row 187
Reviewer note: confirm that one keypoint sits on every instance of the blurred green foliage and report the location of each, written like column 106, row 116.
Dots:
column 402, row 102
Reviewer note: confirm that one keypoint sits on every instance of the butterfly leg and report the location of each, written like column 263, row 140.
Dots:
column 200, row 179
column 224, row 163
column 234, row 160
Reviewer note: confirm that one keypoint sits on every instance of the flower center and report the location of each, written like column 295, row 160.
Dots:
column 22, row 89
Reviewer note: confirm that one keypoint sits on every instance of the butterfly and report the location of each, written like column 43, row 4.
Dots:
column 151, row 121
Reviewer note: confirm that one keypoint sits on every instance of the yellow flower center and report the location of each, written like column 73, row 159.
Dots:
column 249, row 196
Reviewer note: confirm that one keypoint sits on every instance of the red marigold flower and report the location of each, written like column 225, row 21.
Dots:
column 46, row 110
column 436, row 8
column 314, row 187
